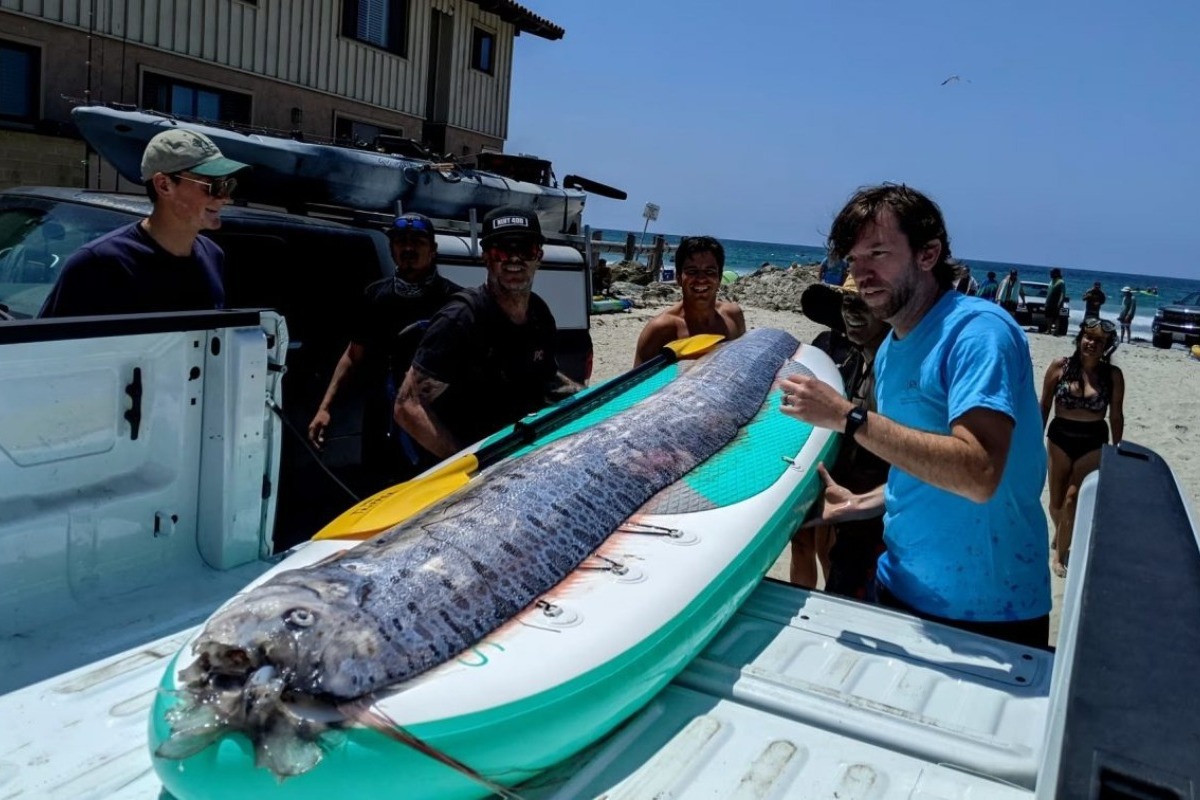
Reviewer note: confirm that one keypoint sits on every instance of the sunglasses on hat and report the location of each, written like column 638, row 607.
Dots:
column 417, row 224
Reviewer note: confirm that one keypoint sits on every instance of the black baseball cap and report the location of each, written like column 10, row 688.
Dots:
column 511, row 223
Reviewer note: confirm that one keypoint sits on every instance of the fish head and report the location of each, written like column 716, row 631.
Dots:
column 274, row 664
column 314, row 634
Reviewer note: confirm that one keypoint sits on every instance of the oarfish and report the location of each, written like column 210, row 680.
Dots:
column 424, row 591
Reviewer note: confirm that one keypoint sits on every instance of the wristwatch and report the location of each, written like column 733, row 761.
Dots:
column 855, row 419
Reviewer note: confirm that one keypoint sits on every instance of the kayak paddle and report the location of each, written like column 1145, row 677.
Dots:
column 399, row 502
column 594, row 187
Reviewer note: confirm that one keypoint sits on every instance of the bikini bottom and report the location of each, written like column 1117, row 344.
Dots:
column 1077, row 438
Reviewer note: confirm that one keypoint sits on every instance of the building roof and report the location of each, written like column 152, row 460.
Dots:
column 525, row 20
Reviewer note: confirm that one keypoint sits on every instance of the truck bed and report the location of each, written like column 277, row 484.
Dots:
column 804, row 694
column 800, row 689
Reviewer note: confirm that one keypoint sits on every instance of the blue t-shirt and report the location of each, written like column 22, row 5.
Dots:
column 946, row 555
column 127, row 272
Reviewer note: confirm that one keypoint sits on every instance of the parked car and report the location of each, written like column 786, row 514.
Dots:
column 1031, row 312
column 308, row 268
column 1177, row 322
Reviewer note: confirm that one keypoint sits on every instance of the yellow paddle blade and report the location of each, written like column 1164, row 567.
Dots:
column 696, row 345
column 397, row 503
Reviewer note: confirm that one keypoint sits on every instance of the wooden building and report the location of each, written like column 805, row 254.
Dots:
column 436, row 71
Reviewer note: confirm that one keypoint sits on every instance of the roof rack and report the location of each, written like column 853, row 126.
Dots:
column 360, row 216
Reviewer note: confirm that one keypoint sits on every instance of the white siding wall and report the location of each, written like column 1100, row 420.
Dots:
column 298, row 41
column 479, row 101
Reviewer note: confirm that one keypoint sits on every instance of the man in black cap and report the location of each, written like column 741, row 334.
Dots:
column 160, row 263
column 488, row 358
column 387, row 326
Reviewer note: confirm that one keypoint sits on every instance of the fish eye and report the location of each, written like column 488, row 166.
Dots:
column 299, row 618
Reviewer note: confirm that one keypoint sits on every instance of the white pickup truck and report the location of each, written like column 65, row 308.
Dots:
column 137, row 460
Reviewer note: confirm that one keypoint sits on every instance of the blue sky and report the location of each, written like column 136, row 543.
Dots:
column 1072, row 137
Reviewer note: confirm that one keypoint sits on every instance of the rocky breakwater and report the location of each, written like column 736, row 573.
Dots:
column 773, row 288
column 768, row 287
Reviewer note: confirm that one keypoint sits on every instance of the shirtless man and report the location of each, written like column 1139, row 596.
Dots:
column 700, row 261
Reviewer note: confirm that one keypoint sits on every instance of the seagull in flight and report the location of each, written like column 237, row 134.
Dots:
column 953, row 79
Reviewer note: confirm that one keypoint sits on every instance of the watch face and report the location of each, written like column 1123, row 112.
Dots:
column 855, row 419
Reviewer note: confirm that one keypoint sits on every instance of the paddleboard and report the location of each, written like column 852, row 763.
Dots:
column 583, row 658
column 610, row 305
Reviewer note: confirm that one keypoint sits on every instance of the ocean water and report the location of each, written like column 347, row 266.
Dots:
column 744, row 257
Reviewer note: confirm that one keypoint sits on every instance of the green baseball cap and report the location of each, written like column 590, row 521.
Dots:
column 179, row 150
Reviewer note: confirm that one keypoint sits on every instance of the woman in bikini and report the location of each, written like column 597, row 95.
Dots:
column 1083, row 388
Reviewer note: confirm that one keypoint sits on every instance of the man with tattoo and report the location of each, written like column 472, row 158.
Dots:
column 958, row 420
column 488, row 357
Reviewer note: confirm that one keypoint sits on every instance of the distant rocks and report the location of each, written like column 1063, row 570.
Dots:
column 768, row 287
column 646, row 296
column 632, row 272
column 774, row 288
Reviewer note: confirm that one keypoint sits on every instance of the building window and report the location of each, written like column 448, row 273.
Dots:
column 185, row 99
column 483, row 51
column 20, row 82
column 361, row 134
column 382, row 23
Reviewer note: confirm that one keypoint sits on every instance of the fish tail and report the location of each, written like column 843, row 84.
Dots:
column 365, row 714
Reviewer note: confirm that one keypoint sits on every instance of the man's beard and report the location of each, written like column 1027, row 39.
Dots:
column 900, row 294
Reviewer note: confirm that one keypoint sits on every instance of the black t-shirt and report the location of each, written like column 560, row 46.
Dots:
column 127, row 272
column 495, row 371
column 1093, row 299
column 389, row 325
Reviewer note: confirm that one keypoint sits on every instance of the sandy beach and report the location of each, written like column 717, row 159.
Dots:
column 1162, row 399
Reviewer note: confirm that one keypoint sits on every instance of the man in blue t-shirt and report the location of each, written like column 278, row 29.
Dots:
column 160, row 263
column 959, row 422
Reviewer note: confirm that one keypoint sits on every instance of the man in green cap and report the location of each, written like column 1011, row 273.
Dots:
column 160, row 263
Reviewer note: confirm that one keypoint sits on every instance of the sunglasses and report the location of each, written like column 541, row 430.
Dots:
column 219, row 188
column 526, row 251
column 1103, row 324
column 411, row 224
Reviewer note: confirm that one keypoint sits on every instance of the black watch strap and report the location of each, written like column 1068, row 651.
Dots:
column 855, row 419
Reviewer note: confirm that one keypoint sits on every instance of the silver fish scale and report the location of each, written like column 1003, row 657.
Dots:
column 439, row 582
